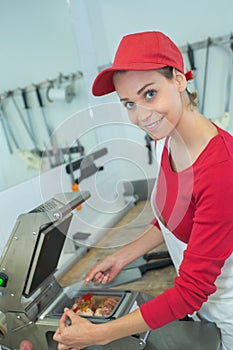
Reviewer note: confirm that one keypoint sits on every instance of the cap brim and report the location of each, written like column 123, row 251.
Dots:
column 103, row 83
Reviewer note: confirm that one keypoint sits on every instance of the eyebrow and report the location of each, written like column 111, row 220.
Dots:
column 139, row 91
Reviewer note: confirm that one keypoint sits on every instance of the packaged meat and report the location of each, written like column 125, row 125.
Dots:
column 95, row 305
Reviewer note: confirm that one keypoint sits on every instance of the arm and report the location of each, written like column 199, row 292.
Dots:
column 106, row 270
column 210, row 243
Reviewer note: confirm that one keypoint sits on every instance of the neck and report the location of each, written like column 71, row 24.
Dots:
column 190, row 137
column 193, row 129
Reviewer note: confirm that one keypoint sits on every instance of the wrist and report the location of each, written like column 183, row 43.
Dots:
column 100, row 334
column 122, row 258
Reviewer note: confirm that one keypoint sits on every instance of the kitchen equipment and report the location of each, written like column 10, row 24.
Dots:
column 148, row 145
column 29, row 117
column 27, row 270
column 39, row 98
column 191, row 58
column 57, row 154
column 22, row 118
column 4, row 127
column 208, row 43
column 8, row 131
column 86, row 165
column 74, row 182
column 224, row 120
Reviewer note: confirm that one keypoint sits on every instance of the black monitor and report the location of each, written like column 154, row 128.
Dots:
column 50, row 241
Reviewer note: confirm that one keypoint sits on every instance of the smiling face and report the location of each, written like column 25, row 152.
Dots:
column 153, row 102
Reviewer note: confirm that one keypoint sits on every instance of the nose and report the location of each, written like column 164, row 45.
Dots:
column 143, row 113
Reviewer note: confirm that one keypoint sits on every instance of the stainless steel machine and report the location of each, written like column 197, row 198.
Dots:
column 31, row 298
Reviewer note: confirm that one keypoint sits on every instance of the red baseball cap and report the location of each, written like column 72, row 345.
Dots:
column 139, row 51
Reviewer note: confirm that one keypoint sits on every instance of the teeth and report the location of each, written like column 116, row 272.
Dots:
column 151, row 126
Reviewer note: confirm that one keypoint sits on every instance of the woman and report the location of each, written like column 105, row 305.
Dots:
column 192, row 199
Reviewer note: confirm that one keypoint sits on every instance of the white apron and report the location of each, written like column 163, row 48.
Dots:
column 219, row 307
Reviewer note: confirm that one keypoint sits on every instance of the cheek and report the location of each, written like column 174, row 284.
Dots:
column 133, row 117
column 175, row 106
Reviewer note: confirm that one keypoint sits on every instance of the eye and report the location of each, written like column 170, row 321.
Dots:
column 129, row 105
column 149, row 94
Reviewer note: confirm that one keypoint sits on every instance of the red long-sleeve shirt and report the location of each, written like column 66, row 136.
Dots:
column 197, row 206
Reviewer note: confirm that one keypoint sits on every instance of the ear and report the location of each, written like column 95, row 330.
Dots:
column 180, row 80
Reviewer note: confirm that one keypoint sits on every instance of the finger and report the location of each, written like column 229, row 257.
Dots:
column 62, row 346
column 95, row 277
column 71, row 314
column 99, row 280
column 57, row 335
column 106, row 279
column 62, row 322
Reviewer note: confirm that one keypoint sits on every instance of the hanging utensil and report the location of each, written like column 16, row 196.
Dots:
column 224, row 120
column 74, row 182
column 41, row 105
column 58, row 155
column 2, row 119
column 31, row 158
column 10, row 94
column 9, row 131
column 191, row 59
column 208, row 43
column 29, row 116
column 148, row 146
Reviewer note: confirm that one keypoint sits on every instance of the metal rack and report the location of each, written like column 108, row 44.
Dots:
column 220, row 40
column 59, row 80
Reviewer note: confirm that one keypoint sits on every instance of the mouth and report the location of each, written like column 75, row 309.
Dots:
column 153, row 125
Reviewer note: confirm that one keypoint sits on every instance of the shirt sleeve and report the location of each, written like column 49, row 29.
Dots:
column 155, row 222
column 210, row 244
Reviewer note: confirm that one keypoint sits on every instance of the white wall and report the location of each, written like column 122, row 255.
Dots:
column 37, row 44
column 184, row 22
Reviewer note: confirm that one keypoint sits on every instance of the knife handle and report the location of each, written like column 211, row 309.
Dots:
column 25, row 101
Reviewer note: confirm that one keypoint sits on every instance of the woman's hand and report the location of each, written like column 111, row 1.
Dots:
column 80, row 334
column 104, row 271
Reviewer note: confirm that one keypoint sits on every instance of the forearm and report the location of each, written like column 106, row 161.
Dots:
column 151, row 238
column 129, row 324
column 106, row 270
